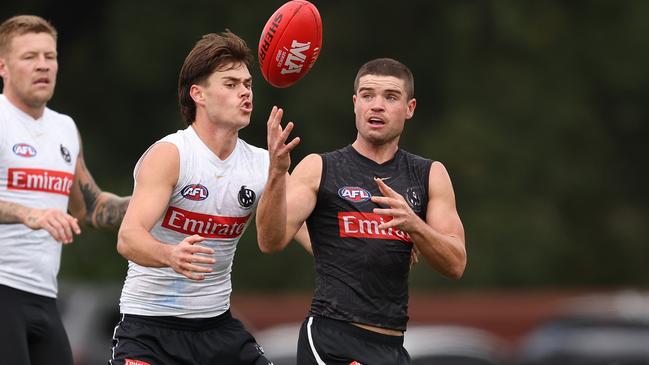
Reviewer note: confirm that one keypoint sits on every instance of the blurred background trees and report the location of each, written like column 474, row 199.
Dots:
column 539, row 110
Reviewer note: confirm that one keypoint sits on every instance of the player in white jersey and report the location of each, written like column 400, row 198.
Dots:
column 42, row 178
column 195, row 193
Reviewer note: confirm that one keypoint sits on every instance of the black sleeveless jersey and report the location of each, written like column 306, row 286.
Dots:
column 361, row 271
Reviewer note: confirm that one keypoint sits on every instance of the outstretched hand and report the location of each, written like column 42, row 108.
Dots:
column 278, row 150
column 185, row 257
column 402, row 215
column 57, row 223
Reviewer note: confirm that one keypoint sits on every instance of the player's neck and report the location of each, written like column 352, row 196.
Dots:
column 33, row 111
column 221, row 141
column 378, row 153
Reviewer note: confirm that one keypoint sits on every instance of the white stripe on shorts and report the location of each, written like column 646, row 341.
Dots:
column 315, row 353
column 112, row 349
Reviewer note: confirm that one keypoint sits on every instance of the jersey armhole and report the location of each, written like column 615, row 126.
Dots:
column 323, row 178
column 429, row 168
column 136, row 169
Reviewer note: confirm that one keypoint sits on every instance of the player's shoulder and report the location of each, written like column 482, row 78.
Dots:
column 311, row 162
column 185, row 140
column 60, row 122
column 59, row 118
column 438, row 168
column 414, row 157
column 176, row 137
column 312, row 158
column 340, row 153
column 161, row 159
column 309, row 170
column 166, row 149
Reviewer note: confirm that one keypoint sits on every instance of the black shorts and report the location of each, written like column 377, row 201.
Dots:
column 31, row 331
column 332, row 342
column 222, row 340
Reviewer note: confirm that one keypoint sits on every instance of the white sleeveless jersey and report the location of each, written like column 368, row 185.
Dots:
column 37, row 162
column 215, row 199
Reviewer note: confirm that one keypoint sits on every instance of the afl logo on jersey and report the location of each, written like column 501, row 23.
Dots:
column 354, row 194
column 24, row 150
column 194, row 192
column 246, row 197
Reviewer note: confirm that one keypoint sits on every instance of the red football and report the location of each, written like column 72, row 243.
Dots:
column 290, row 43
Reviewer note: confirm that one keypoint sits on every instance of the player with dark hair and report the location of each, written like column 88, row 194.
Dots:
column 195, row 193
column 46, row 192
column 367, row 206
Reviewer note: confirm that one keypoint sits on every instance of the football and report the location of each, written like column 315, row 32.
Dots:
column 290, row 43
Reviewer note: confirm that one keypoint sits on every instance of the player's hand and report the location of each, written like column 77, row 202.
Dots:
column 57, row 223
column 402, row 215
column 414, row 256
column 185, row 257
column 278, row 150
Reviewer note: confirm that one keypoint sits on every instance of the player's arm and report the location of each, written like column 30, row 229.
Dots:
column 89, row 204
column 59, row 224
column 302, row 237
column 284, row 212
column 440, row 238
column 279, row 215
column 11, row 213
column 155, row 179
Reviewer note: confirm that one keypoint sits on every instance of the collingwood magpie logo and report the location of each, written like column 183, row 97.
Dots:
column 246, row 197
column 65, row 153
column 412, row 197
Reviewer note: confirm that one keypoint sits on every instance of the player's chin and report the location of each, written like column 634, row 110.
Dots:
column 244, row 121
column 378, row 138
column 41, row 97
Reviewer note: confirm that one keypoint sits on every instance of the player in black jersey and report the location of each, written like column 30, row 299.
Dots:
column 367, row 206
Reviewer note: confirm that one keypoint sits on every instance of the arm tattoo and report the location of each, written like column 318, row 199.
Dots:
column 109, row 212
column 90, row 194
column 103, row 210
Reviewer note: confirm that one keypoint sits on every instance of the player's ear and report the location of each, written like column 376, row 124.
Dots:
column 197, row 94
column 3, row 67
column 412, row 103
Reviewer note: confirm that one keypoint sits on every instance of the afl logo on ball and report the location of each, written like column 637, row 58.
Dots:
column 246, row 197
column 354, row 194
column 194, row 192
column 24, row 150
column 65, row 153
